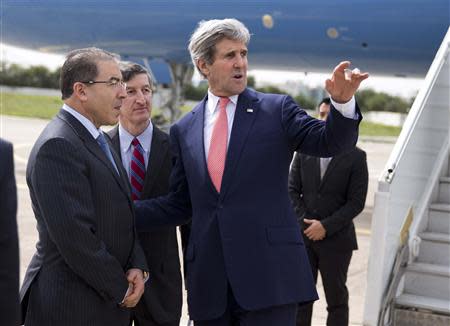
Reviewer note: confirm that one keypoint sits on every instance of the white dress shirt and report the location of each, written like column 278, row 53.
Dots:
column 126, row 149
column 324, row 162
column 212, row 113
column 83, row 120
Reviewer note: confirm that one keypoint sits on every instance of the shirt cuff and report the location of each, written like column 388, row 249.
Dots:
column 348, row 109
column 146, row 276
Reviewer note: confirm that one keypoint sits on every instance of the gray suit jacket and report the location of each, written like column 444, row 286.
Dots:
column 87, row 239
column 163, row 296
column 9, row 250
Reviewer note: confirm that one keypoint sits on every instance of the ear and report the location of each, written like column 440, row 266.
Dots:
column 79, row 90
column 203, row 66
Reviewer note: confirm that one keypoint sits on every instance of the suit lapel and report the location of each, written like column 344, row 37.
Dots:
column 92, row 145
column 311, row 164
column 333, row 163
column 246, row 111
column 195, row 140
column 115, row 141
column 158, row 152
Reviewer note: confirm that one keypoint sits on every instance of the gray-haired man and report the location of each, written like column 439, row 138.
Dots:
column 245, row 261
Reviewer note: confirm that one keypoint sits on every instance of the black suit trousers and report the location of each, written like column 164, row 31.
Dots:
column 139, row 319
column 333, row 267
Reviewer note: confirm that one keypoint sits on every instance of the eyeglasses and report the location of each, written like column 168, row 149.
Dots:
column 115, row 82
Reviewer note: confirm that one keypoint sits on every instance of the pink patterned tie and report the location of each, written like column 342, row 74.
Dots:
column 218, row 146
column 137, row 172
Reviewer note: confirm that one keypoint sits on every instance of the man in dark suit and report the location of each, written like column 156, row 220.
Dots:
column 327, row 194
column 135, row 134
column 88, row 266
column 9, row 245
column 246, row 263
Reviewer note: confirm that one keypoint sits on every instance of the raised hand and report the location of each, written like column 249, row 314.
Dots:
column 342, row 85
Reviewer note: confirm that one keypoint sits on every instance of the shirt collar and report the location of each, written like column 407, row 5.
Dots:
column 144, row 138
column 83, row 120
column 213, row 100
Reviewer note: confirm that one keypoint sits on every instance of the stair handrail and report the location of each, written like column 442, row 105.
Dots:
column 424, row 202
column 416, row 110
column 398, row 269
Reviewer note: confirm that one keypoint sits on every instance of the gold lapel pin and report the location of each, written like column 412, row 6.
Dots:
column 249, row 110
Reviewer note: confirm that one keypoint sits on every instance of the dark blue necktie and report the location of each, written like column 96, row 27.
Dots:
column 105, row 148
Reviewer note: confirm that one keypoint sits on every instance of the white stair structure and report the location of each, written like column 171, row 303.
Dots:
column 417, row 176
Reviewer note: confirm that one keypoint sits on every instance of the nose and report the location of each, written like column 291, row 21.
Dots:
column 240, row 61
column 122, row 93
column 140, row 98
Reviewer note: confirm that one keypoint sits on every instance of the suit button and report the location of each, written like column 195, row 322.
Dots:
column 220, row 206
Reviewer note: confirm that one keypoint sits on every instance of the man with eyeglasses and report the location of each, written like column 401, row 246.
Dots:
column 88, row 266
column 145, row 153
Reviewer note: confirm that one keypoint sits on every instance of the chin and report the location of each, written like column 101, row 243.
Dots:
column 240, row 89
column 112, row 122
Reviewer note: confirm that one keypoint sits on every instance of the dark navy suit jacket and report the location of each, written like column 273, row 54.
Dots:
column 246, row 236
column 9, row 249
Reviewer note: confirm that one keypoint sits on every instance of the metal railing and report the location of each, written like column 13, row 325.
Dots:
column 416, row 110
column 401, row 261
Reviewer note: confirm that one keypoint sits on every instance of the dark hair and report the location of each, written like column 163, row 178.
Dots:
column 129, row 70
column 325, row 100
column 81, row 65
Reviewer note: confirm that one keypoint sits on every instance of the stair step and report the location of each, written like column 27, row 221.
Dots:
column 413, row 317
column 431, row 285
column 422, row 302
column 432, row 251
column 426, row 268
column 438, row 221
column 442, row 207
column 444, row 190
column 435, row 236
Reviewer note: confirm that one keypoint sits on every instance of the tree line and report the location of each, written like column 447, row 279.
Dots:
column 34, row 76
column 42, row 77
column 368, row 99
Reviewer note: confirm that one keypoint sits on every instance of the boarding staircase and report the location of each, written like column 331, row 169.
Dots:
column 409, row 276
column 425, row 297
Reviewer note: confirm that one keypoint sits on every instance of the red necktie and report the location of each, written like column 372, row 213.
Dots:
column 137, row 170
column 218, row 146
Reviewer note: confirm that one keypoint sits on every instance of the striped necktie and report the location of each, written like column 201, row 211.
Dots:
column 218, row 146
column 137, row 170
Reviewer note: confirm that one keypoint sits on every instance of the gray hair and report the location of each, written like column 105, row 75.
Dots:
column 80, row 66
column 202, row 44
